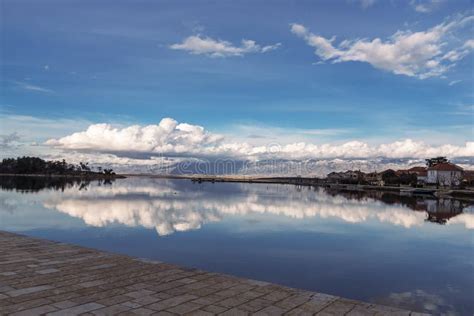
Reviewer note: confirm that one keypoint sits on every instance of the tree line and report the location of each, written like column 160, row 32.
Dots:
column 36, row 165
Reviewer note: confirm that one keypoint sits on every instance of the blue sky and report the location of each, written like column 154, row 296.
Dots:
column 77, row 63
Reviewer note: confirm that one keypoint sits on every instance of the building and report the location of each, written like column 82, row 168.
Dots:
column 469, row 177
column 445, row 174
column 348, row 176
column 421, row 174
column 374, row 178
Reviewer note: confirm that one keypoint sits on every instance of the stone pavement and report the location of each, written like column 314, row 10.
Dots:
column 43, row 277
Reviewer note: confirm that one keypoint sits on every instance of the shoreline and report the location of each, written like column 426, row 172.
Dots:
column 464, row 194
column 452, row 193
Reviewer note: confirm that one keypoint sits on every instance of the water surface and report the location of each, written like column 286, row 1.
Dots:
column 414, row 253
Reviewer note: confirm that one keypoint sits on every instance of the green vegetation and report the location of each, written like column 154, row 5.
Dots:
column 434, row 161
column 35, row 165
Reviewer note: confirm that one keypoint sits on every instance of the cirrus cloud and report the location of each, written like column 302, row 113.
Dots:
column 199, row 45
column 422, row 54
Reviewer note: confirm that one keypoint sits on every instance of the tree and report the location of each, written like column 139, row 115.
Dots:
column 35, row 165
column 84, row 166
column 389, row 176
column 108, row 172
column 436, row 160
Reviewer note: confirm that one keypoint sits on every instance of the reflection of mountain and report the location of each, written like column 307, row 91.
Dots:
column 170, row 206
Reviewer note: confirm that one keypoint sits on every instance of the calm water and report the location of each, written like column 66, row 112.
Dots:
column 409, row 252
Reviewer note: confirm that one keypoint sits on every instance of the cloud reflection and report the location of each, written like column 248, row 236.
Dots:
column 171, row 206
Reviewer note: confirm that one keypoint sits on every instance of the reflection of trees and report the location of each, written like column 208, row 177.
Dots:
column 36, row 184
column 439, row 210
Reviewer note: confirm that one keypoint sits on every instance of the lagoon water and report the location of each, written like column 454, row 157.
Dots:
column 415, row 253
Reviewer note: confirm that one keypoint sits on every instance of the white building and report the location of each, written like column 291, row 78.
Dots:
column 445, row 174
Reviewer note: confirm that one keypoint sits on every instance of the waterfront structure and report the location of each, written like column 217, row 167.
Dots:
column 445, row 174
column 420, row 173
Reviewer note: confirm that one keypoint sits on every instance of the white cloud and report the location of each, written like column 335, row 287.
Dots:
column 365, row 3
column 453, row 82
column 422, row 54
column 218, row 48
column 425, row 6
column 170, row 138
column 32, row 87
column 9, row 140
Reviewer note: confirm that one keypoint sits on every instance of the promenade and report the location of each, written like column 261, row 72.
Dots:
column 41, row 277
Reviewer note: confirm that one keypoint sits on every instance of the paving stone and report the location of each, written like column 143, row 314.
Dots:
column 36, row 311
column 214, row 309
column 7, row 273
column 111, row 310
column 28, row 290
column 184, row 308
column 64, row 304
column 131, row 304
column 255, row 305
column 140, row 311
column 199, row 313
column 76, row 310
column 171, row 302
column 235, row 312
column 232, row 302
column 91, row 283
column 146, row 300
column 299, row 312
column 164, row 313
column 139, row 293
column 337, row 308
column 47, row 271
column 361, row 311
column 6, row 288
column 270, row 310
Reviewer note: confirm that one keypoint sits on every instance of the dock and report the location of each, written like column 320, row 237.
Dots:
column 42, row 277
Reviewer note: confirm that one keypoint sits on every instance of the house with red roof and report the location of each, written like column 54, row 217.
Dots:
column 420, row 172
column 445, row 174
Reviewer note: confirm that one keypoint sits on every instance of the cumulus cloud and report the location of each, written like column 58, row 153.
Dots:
column 200, row 45
column 422, row 54
column 170, row 138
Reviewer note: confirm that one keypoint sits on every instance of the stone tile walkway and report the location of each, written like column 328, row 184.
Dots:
column 40, row 277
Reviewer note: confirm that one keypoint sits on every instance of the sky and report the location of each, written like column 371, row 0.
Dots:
column 134, row 81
